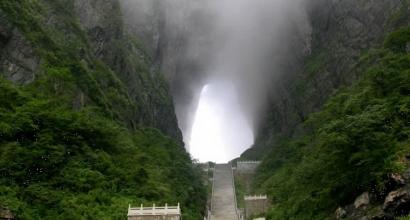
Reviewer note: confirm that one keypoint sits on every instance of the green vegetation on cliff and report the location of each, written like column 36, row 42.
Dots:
column 358, row 138
column 59, row 164
column 107, row 66
column 75, row 143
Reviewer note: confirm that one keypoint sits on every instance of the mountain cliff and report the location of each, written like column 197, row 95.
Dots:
column 87, row 123
column 341, row 32
column 89, row 91
column 93, row 34
column 338, row 128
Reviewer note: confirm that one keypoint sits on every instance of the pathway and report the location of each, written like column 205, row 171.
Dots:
column 223, row 198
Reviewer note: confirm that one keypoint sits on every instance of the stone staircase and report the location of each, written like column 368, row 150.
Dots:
column 223, row 196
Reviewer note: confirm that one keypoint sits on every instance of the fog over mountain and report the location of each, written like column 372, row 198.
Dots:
column 109, row 104
column 242, row 42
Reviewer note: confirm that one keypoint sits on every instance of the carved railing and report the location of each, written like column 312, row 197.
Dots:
column 238, row 213
column 154, row 210
column 256, row 197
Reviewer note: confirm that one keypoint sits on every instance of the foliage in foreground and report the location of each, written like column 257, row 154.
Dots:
column 360, row 136
column 59, row 164
column 405, row 218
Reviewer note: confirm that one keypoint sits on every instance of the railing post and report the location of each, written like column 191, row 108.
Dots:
column 153, row 209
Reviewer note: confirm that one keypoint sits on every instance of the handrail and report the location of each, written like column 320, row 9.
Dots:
column 234, row 193
column 212, row 192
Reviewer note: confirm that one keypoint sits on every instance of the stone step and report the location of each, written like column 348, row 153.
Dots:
column 223, row 198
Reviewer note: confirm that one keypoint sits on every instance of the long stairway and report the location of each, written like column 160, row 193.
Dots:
column 223, row 198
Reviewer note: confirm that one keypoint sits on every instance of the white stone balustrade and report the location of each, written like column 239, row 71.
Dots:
column 171, row 212
column 256, row 197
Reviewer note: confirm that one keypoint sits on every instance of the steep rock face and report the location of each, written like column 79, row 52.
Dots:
column 102, row 22
column 93, row 32
column 169, row 29
column 342, row 31
column 18, row 62
column 124, row 54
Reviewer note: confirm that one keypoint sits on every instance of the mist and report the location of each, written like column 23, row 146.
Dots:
column 219, row 129
column 244, row 45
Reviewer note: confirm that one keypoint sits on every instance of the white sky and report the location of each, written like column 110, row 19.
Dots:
column 220, row 131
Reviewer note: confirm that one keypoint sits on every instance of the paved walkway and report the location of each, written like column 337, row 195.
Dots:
column 223, row 199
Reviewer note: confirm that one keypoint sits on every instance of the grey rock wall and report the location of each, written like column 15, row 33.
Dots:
column 18, row 61
column 342, row 31
column 125, row 51
column 168, row 29
column 98, row 35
